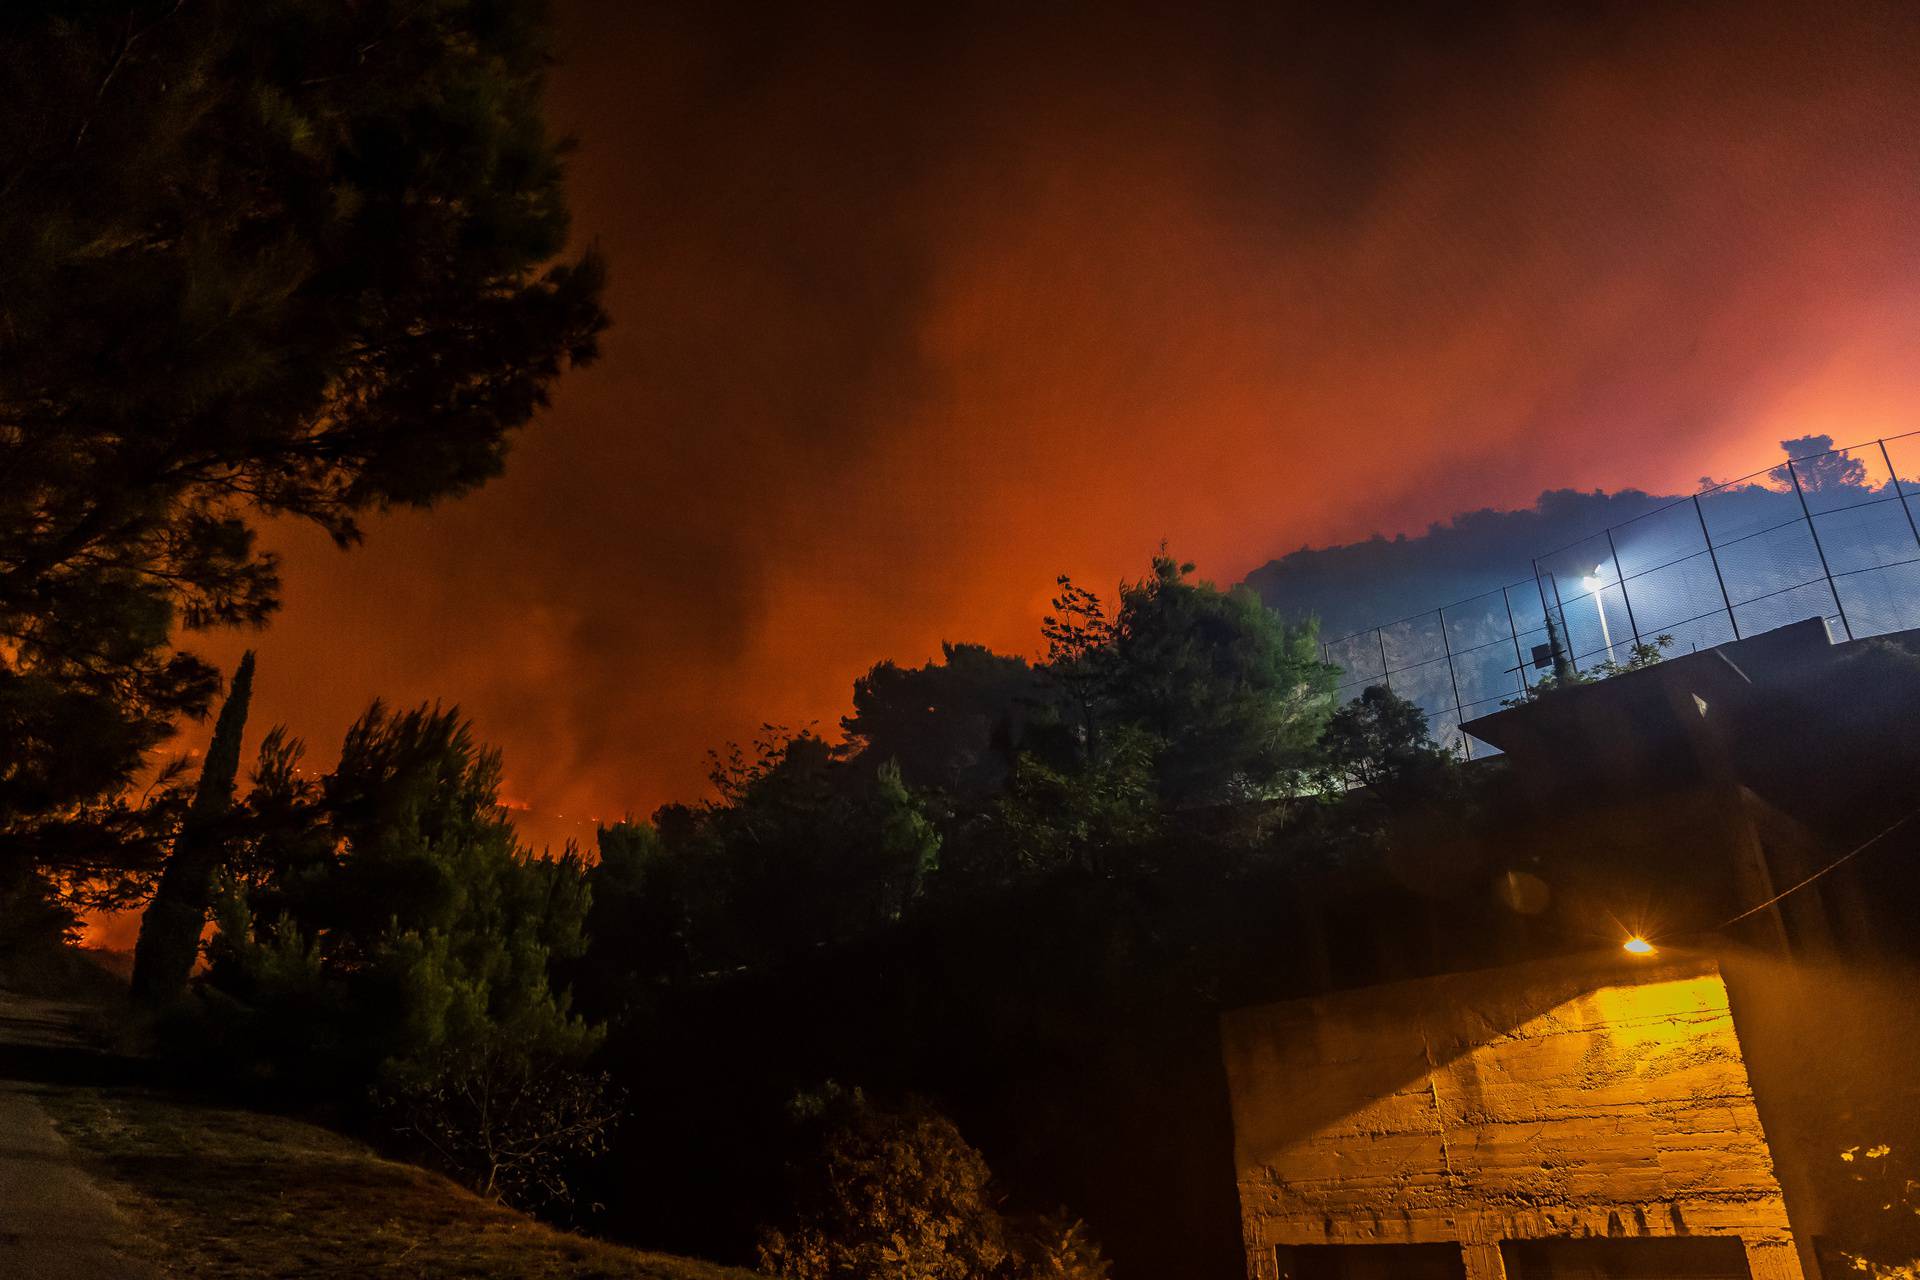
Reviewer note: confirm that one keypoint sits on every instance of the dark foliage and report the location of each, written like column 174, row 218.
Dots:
column 385, row 937
column 1235, row 696
column 1380, row 741
column 518, row 1126
column 801, row 850
column 1033, row 923
column 881, row 1193
column 951, row 726
column 1080, row 660
column 296, row 258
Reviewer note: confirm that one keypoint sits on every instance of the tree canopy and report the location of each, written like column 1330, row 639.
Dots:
column 1236, row 694
column 296, row 258
column 386, row 940
column 1381, row 740
column 1014, row 884
column 952, row 724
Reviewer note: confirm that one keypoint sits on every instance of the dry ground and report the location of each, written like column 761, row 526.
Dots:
column 224, row 1193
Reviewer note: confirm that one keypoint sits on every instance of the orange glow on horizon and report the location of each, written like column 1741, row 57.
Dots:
column 899, row 339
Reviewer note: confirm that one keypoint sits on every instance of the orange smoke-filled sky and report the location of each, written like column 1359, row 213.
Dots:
column 915, row 311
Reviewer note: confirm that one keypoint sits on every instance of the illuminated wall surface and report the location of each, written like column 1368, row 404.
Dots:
column 1566, row 1100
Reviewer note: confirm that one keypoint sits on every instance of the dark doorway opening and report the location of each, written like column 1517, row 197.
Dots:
column 1371, row 1262
column 1671, row 1258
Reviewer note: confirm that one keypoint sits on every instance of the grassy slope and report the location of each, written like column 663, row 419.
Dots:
column 227, row 1193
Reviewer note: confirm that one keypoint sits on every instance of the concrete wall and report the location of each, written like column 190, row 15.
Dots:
column 1579, row 1097
column 1830, row 1048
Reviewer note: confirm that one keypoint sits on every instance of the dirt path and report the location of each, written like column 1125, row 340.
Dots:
column 55, row 1222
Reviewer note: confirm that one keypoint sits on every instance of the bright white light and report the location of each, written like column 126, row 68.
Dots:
column 1596, row 582
column 1637, row 945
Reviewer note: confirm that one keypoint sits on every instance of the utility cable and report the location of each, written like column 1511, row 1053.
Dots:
column 1848, row 856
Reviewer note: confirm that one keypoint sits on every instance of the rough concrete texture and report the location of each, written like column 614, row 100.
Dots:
column 1570, row 1098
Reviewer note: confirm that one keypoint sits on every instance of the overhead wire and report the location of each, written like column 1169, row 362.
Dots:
column 1846, row 857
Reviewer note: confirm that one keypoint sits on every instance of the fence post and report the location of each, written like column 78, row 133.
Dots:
column 1631, row 624
column 1819, row 550
column 1898, row 492
column 1563, row 667
column 1566, row 640
column 1732, row 618
column 1513, row 629
column 1459, row 711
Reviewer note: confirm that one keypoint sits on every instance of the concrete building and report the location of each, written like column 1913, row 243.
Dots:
column 1482, row 1084
column 1578, row 1117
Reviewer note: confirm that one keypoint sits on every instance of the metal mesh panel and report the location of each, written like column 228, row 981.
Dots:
column 1445, row 728
column 1675, row 594
column 1773, row 550
column 1841, row 479
column 1866, row 536
column 1881, row 600
column 1657, row 538
column 1487, row 672
column 1796, row 604
column 1834, row 536
column 1413, row 641
column 1742, row 508
column 1715, row 628
column 1360, row 659
column 1428, row 683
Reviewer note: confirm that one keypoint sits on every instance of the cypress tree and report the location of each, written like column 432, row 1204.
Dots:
column 170, row 929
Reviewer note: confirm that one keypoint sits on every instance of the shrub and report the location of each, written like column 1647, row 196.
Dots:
column 1875, row 1213
column 899, row 1195
column 515, row 1124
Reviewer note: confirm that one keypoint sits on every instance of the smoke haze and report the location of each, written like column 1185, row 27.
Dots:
column 915, row 311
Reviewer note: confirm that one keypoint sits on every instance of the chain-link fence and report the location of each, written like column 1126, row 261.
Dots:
column 1457, row 662
column 1831, row 535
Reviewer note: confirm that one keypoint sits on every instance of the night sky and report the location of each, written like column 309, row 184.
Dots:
column 913, row 313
